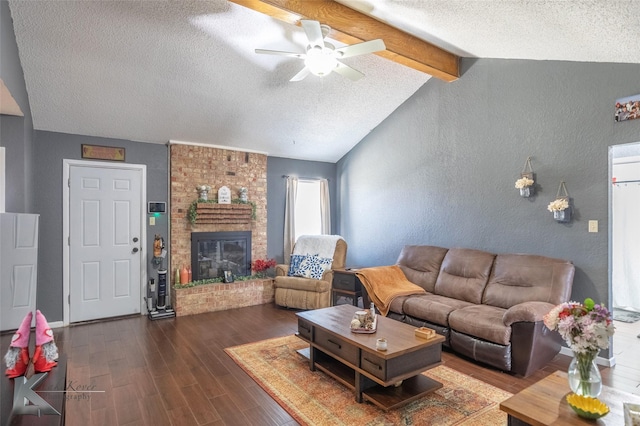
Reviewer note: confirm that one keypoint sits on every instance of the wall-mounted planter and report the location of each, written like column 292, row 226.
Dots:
column 562, row 216
column 561, row 206
column 527, row 181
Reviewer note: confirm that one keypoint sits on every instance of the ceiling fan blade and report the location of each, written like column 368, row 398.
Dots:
column 281, row 53
column 301, row 75
column 347, row 71
column 361, row 48
column 314, row 32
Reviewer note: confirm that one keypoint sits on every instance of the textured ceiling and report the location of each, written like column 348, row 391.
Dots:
column 156, row 71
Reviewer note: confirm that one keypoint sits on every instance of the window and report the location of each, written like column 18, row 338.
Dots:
column 308, row 220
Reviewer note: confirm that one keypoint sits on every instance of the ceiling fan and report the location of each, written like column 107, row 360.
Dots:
column 321, row 57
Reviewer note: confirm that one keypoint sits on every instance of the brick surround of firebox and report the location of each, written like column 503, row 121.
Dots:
column 193, row 165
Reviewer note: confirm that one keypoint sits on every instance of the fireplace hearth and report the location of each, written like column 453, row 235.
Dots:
column 213, row 253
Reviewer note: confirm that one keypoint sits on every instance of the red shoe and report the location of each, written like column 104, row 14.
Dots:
column 46, row 354
column 17, row 357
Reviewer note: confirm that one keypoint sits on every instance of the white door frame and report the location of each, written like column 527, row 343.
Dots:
column 67, row 164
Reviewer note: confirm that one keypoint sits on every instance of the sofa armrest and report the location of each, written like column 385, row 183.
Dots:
column 526, row 312
column 282, row 270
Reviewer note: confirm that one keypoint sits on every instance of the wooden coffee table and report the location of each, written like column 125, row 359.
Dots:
column 544, row 403
column 388, row 379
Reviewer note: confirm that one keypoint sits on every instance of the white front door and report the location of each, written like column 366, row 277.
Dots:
column 105, row 242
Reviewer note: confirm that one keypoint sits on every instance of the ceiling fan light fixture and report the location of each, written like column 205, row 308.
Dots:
column 320, row 60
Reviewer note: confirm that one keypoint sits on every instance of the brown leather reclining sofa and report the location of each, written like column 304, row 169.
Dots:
column 488, row 307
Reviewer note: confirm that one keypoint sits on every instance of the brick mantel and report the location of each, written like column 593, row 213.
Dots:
column 199, row 165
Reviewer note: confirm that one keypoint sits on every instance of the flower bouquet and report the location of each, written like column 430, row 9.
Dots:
column 203, row 191
column 261, row 266
column 586, row 327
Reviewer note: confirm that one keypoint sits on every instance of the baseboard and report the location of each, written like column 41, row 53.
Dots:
column 56, row 324
column 607, row 362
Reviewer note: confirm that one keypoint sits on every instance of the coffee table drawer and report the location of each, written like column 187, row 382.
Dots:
column 336, row 346
column 392, row 368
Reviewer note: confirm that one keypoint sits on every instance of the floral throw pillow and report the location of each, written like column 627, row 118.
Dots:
column 312, row 266
column 294, row 264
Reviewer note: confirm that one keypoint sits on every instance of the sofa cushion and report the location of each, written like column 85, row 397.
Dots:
column 397, row 304
column 464, row 274
column 519, row 278
column 432, row 308
column 499, row 356
column 481, row 321
column 421, row 264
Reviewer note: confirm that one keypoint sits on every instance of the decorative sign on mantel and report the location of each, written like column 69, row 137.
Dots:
column 224, row 195
column 97, row 152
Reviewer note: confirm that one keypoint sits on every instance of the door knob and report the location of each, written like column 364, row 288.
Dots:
column 135, row 249
column 135, row 239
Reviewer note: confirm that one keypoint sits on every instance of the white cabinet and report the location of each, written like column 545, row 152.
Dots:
column 18, row 267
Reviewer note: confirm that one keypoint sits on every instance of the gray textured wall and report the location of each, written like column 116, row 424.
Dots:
column 441, row 169
column 16, row 133
column 49, row 150
column 276, row 189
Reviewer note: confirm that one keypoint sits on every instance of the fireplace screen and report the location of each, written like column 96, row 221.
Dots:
column 213, row 253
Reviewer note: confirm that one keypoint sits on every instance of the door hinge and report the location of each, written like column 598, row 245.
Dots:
column 69, row 299
column 69, row 240
column 69, row 182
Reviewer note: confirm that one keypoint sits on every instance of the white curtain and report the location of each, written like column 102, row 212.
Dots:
column 626, row 245
column 289, row 217
column 325, row 207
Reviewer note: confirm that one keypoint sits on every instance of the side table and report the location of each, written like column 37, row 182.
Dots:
column 544, row 404
column 345, row 284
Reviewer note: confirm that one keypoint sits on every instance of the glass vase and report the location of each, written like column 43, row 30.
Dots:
column 562, row 215
column 526, row 192
column 584, row 376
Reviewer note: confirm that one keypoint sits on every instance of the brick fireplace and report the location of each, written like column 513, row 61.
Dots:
column 193, row 165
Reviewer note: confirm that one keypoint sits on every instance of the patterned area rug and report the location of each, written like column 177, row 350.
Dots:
column 313, row 398
column 625, row 316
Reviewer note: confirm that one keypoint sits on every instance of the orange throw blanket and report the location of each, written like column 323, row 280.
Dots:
column 385, row 283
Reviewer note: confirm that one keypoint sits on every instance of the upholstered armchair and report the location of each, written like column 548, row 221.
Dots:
column 305, row 283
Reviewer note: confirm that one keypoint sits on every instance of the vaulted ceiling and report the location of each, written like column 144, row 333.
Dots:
column 155, row 71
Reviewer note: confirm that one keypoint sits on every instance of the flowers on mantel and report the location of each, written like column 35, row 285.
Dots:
column 261, row 267
column 203, row 191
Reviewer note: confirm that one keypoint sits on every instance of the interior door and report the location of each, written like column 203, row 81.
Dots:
column 18, row 267
column 104, row 242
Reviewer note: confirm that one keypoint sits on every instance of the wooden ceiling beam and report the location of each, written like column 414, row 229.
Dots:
column 350, row 26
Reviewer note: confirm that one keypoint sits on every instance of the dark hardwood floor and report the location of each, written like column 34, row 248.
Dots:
column 175, row 371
